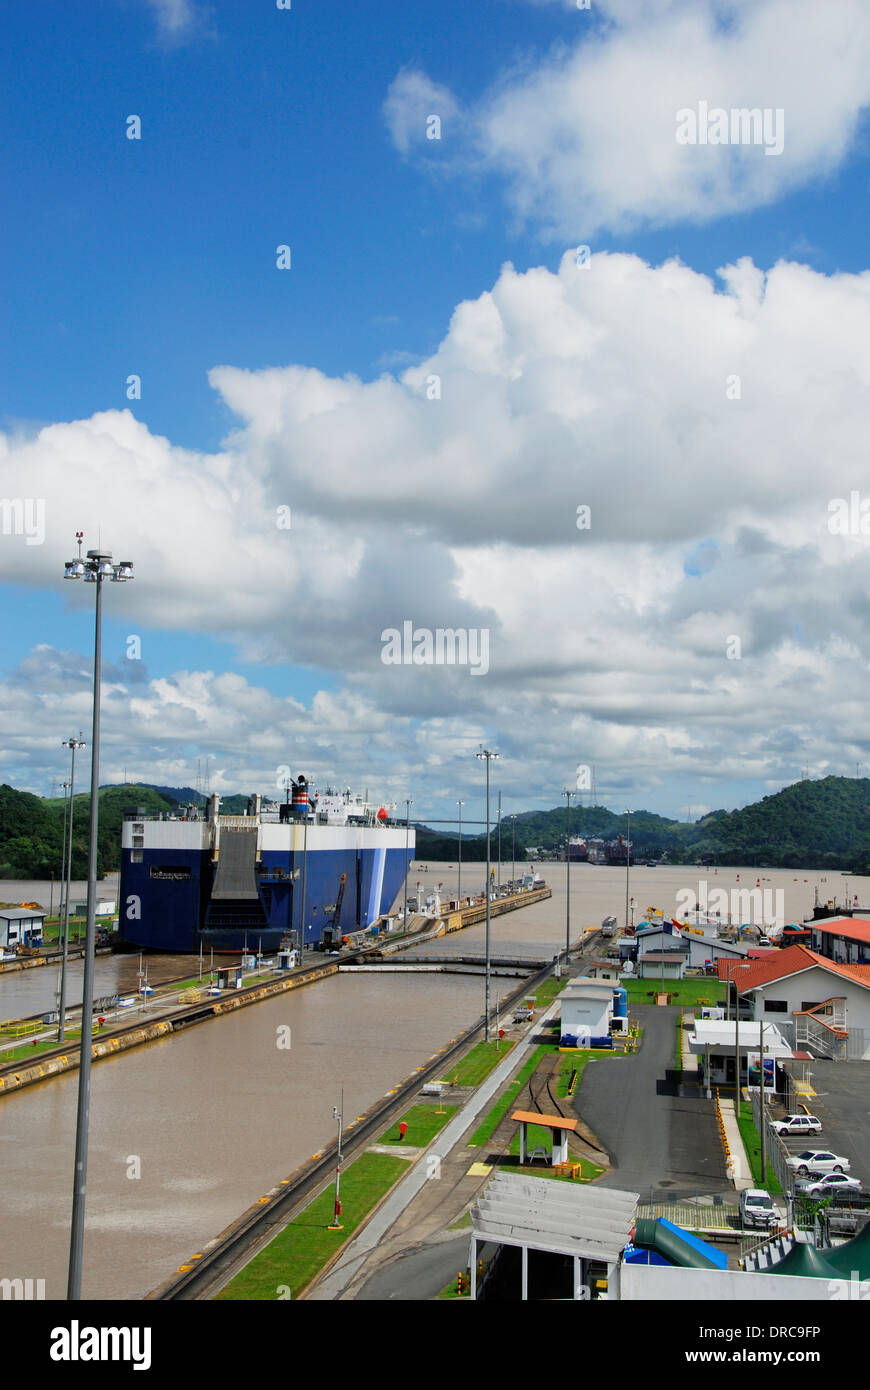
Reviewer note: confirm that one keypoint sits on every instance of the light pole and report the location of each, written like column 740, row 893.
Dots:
column 568, row 794
column 94, row 569
column 762, row 1123
column 408, row 804
column 337, row 1114
column 513, row 853
column 460, row 804
column 73, row 744
column 65, row 787
column 304, row 876
column 627, row 863
column 499, row 841
column 488, row 755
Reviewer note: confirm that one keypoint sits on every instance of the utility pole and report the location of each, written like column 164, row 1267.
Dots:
column 460, row 804
column 567, row 794
column 408, row 804
column 488, row 755
column 736, row 1049
column 73, row 744
column 337, row 1114
column 628, row 866
column 762, row 1122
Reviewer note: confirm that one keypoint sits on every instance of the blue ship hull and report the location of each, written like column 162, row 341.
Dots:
column 169, row 900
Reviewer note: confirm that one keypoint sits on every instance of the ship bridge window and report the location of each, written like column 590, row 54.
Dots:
column 170, row 871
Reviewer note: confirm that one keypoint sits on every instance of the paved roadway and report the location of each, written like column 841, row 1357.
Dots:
column 419, row 1274
column 842, row 1103
column 658, row 1140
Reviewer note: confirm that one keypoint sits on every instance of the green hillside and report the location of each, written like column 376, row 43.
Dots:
column 810, row 825
column 821, row 824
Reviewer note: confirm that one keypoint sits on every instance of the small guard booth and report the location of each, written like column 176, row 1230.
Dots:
column 229, row 976
column 559, row 1129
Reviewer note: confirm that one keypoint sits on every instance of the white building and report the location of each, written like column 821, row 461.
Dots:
column 20, row 926
column 714, row 1041
column 586, row 1011
column 699, row 949
column 828, row 1002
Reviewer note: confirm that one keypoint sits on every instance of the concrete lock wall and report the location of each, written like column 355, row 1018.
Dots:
column 642, row 1282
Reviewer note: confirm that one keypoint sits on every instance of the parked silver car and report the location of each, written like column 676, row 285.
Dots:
column 824, row 1186
column 818, row 1161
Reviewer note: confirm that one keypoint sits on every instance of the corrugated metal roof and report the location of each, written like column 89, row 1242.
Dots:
column 541, row 1214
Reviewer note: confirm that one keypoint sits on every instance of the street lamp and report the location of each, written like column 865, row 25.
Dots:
column 488, row 755
column 513, row 854
column 94, row 569
column 460, row 804
column 73, row 744
column 338, row 1115
column 65, row 790
column 568, row 794
column 408, row 804
column 627, row 862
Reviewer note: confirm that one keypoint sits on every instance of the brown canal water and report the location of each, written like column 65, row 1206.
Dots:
column 214, row 1118
column 28, row 993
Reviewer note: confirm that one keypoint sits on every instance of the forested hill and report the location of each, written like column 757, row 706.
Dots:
column 812, row 824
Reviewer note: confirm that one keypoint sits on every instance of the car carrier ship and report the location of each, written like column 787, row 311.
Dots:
column 311, row 870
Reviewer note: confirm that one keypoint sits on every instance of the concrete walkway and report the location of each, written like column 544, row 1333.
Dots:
column 741, row 1171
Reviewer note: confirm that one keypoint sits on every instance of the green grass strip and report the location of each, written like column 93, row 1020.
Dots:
column 690, row 992
column 26, row 1051
column 301, row 1250
column 479, row 1062
column 423, row 1122
column 752, row 1144
column 545, row 994
column 487, row 1128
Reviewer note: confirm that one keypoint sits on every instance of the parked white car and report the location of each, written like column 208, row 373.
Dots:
column 817, row 1161
column 824, row 1186
column 798, row 1124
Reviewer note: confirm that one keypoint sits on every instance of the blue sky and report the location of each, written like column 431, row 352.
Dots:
column 157, row 257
